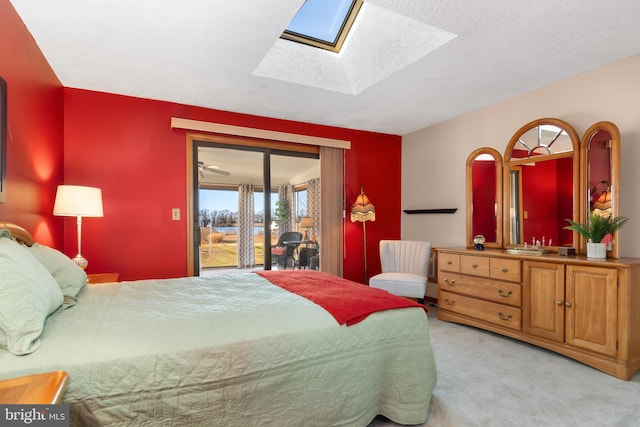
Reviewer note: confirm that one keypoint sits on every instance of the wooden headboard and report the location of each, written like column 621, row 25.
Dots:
column 19, row 233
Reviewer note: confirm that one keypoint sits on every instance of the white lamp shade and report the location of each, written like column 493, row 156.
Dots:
column 76, row 200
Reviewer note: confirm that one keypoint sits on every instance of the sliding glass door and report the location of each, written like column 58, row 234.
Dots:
column 219, row 226
column 236, row 219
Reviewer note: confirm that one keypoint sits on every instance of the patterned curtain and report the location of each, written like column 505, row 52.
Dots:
column 313, row 206
column 246, row 247
column 293, row 219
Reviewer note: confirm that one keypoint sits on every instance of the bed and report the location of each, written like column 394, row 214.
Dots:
column 237, row 349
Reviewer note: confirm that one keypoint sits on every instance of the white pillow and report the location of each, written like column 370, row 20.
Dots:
column 28, row 294
column 70, row 278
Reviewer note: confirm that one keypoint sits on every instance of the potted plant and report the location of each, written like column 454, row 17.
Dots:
column 282, row 211
column 595, row 230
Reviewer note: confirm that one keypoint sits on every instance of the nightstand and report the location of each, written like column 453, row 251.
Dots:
column 95, row 279
column 38, row 389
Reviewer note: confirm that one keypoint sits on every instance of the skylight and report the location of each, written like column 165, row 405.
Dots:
column 323, row 23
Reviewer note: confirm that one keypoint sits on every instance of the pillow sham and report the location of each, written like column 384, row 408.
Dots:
column 70, row 278
column 28, row 294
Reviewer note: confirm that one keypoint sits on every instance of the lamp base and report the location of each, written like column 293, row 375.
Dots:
column 81, row 261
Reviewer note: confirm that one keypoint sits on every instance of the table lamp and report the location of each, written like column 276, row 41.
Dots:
column 306, row 222
column 78, row 201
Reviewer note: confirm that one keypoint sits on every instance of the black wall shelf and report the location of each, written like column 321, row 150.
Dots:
column 430, row 211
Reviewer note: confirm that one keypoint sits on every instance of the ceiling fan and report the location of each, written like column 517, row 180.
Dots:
column 202, row 168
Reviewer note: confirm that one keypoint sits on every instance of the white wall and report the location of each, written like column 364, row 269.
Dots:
column 434, row 158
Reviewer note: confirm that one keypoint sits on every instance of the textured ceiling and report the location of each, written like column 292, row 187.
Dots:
column 380, row 43
column 410, row 64
column 245, row 167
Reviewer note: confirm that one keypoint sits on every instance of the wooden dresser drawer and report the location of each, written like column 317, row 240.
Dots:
column 505, row 269
column 493, row 290
column 498, row 314
column 448, row 262
column 475, row 265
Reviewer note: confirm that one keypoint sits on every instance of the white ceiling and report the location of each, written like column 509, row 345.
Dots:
column 410, row 64
column 246, row 167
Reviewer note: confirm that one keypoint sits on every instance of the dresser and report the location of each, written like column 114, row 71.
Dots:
column 584, row 309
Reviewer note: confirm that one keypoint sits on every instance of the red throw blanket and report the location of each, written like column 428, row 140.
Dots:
column 349, row 302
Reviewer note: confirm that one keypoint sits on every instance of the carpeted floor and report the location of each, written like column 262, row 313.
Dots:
column 487, row 380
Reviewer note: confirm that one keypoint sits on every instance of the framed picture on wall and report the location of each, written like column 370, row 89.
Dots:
column 3, row 140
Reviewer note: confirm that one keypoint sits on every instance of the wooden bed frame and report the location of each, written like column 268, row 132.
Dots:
column 19, row 233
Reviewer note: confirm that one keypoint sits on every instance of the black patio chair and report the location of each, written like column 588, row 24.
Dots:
column 281, row 252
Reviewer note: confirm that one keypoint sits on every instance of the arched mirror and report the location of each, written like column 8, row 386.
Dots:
column 541, row 184
column 600, row 177
column 484, row 197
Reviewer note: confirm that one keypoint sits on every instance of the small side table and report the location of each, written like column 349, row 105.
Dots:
column 38, row 389
column 314, row 263
column 295, row 251
column 96, row 279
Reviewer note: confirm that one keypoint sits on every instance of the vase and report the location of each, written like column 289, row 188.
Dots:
column 596, row 250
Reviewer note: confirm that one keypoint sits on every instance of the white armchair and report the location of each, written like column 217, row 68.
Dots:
column 405, row 266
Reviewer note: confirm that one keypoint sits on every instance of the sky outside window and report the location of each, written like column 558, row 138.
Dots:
column 321, row 19
column 220, row 200
column 323, row 23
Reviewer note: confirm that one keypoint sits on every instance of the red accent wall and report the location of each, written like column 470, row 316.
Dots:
column 126, row 146
column 34, row 131
column 374, row 161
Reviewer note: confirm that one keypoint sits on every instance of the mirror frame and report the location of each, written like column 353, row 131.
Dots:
column 498, row 164
column 577, row 207
column 614, row 183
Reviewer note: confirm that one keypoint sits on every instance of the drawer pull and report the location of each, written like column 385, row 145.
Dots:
column 503, row 293
column 449, row 282
column 449, row 262
column 503, row 317
column 474, row 265
column 503, row 269
column 449, row 302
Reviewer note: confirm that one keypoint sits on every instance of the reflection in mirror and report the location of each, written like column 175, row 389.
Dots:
column 484, row 197
column 541, row 184
column 600, row 148
column 515, row 205
column 541, row 201
column 542, row 140
column 599, row 172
